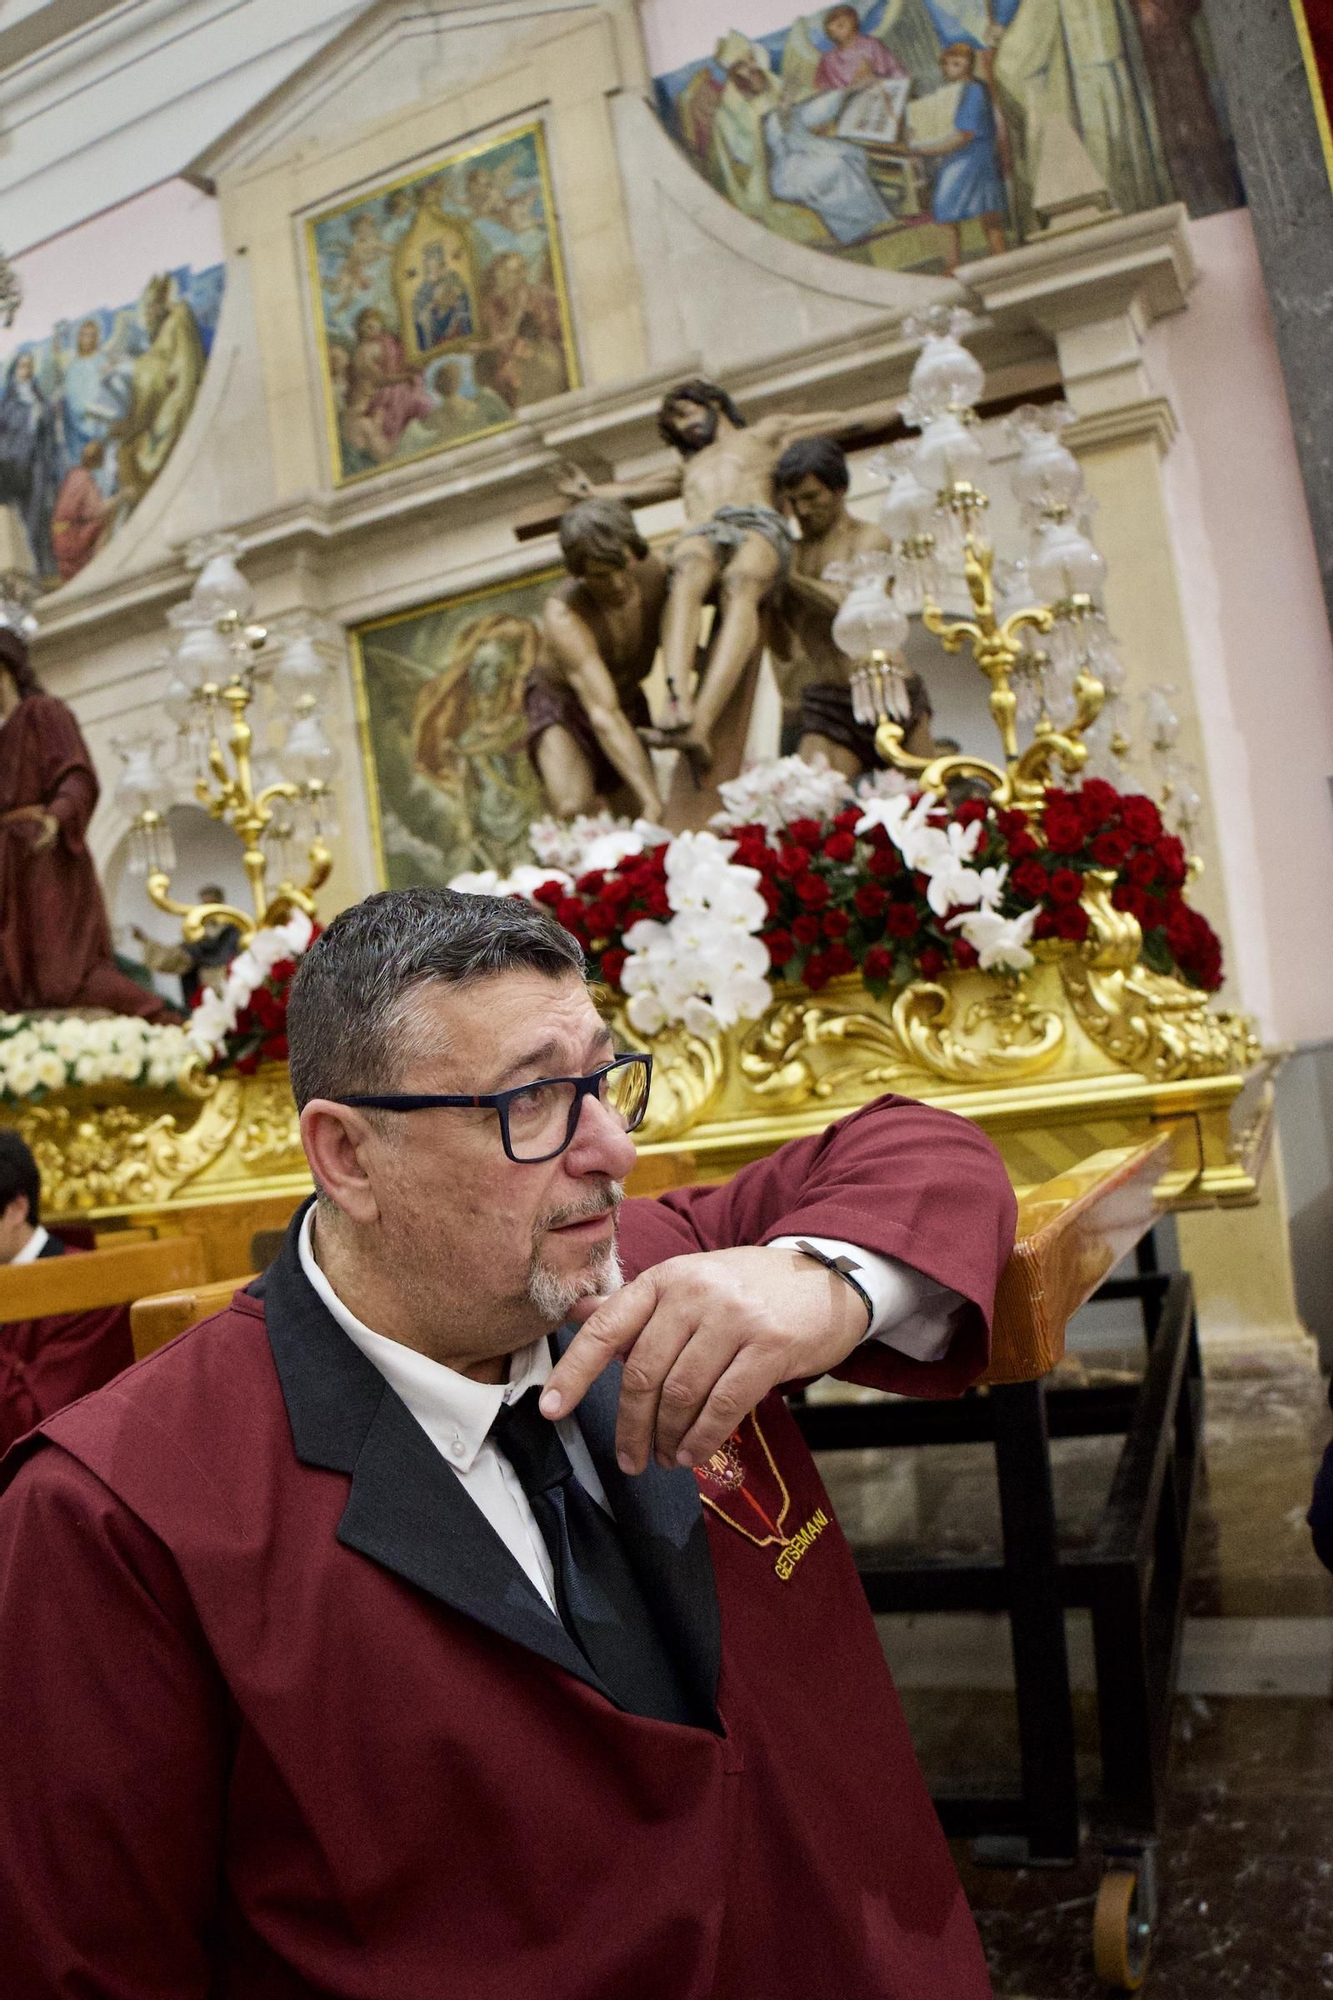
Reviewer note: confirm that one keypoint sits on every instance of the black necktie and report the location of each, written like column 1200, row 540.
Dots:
column 601, row 1603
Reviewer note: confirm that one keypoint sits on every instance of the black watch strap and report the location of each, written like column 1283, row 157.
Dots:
column 845, row 1267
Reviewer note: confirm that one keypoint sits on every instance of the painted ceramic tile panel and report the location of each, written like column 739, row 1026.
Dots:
column 93, row 400
column 902, row 133
column 441, row 305
column 448, row 777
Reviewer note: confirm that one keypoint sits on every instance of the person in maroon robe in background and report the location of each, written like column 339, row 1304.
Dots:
column 313, row 1685
column 48, row 1362
column 55, row 941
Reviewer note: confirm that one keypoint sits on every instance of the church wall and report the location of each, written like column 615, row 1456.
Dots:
column 1260, row 645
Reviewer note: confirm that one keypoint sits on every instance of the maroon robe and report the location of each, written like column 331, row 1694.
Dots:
column 55, row 942
column 48, row 1362
column 284, row 1720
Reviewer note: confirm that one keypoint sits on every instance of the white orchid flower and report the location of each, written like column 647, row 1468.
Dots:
column 953, row 880
column 646, row 1014
column 1001, row 943
column 528, row 877
column 479, row 882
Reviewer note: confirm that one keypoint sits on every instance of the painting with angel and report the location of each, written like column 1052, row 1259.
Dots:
column 904, row 133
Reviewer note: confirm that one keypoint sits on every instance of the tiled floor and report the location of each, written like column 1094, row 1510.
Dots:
column 1246, row 1854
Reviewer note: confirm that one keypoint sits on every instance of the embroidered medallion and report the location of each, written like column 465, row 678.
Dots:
column 743, row 1487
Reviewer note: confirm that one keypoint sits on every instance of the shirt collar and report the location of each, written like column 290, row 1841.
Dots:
column 455, row 1412
column 33, row 1248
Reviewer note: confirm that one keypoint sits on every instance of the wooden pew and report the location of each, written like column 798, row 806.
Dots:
column 157, row 1320
column 110, row 1277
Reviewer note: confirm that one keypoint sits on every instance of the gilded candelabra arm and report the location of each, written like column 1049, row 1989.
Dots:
column 995, row 644
column 194, row 916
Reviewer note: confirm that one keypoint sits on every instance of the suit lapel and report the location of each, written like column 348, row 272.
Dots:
column 661, row 1520
column 406, row 1510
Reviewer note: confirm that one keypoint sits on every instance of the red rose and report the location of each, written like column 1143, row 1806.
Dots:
column 837, row 923
column 1072, row 924
column 1010, row 821
column 846, row 820
column 840, row 847
column 839, row 960
column 870, row 899
column 806, row 929
column 657, row 906
column 1171, row 860
column 964, row 955
column 617, row 891
column 804, row 831
column 930, row 962
column 816, row 972
column 247, row 1065
column 900, row 920
column 569, row 912
column 613, row 964
column 273, row 1048
column 1140, row 818
column 1109, row 849
column 284, row 970
column 1030, row 879
column 879, row 963
column 266, row 1010
column 1142, row 867
column 884, row 864
column 1135, row 904
column 970, row 811
column 772, row 896
column 1022, row 844
column 812, row 890
column 1045, row 926
column 1065, row 886
column 793, row 861
column 600, row 918
column 1098, row 803
column 781, row 945
column 550, row 893
column 591, row 883
column 1064, row 829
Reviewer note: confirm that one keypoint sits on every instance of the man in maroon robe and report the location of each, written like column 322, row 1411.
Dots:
column 374, row 1640
column 47, row 1362
column 55, row 941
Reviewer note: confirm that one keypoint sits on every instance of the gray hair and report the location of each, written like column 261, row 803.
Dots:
column 349, row 1030
column 599, row 530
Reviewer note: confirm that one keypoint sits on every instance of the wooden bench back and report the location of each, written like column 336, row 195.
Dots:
column 111, row 1277
column 155, row 1321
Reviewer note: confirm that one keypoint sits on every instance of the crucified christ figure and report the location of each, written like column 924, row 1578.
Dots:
column 737, row 543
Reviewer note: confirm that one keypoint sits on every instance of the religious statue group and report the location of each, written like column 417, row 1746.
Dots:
column 742, row 487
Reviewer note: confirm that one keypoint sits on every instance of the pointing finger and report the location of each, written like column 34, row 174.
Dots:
column 612, row 1328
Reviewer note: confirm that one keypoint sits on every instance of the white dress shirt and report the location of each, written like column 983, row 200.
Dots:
column 33, row 1248
column 912, row 1313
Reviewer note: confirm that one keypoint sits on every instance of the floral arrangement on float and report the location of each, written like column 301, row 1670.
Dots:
column 246, row 1023
column 40, row 1053
column 805, row 881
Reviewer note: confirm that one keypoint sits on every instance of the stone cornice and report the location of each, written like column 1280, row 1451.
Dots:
column 1152, row 418
column 1140, row 264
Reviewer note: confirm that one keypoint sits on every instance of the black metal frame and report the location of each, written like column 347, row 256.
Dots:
column 1131, row 1579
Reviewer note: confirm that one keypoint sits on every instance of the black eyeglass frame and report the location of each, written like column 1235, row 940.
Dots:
column 500, row 1100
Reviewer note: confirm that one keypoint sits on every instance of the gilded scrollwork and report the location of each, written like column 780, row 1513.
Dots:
column 792, row 1054
column 688, row 1074
column 1149, row 1022
column 269, row 1132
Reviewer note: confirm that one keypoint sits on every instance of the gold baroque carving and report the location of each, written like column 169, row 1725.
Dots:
column 1002, row 1039
column 93, row 1155
column 269, row 1134
column 688, row 1074
column 1153, row 1024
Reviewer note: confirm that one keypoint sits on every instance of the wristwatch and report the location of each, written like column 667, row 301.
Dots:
column 844, row 1266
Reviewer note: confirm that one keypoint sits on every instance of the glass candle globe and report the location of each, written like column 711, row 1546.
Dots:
column 1064, row 564
column 308, row 753
column 1046, row 474
column 869, row 620
column 178, row 701
column 141, row 786
column 946, row 376
column 908, row 507
column 220, row 591
column 950, row 454
column 202, row 655
column 300, row 670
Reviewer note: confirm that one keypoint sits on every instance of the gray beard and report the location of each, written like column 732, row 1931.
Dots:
column 555, row 1298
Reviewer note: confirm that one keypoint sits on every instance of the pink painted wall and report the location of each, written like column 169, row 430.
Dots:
column 1263, row 654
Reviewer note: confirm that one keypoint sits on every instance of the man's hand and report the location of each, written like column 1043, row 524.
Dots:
column 704, row 1338
column 48, row 832
column 573, row 482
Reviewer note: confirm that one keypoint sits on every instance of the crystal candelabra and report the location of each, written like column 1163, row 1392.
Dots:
column 279, row 803
column 1037, row 630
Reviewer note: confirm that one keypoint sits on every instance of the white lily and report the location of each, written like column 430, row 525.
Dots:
column 953, row 880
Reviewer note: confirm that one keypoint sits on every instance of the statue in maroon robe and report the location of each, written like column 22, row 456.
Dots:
column 55, row 941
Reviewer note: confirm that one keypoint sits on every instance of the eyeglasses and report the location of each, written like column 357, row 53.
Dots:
column 538, row 1120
